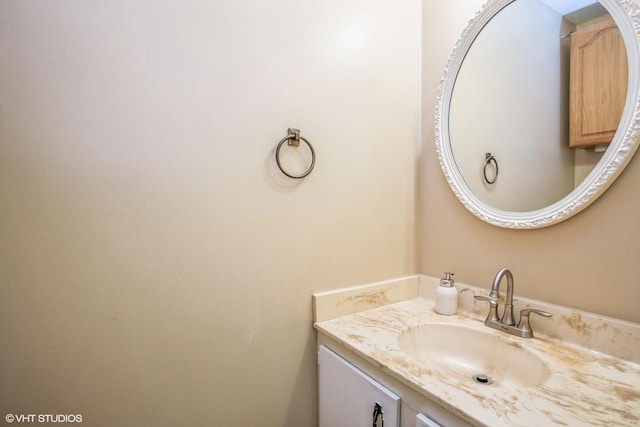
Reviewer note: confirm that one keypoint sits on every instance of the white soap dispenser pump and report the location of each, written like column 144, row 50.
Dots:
column 447, row 296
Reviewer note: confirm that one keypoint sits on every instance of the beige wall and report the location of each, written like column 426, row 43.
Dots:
column 155, row 268
column 589, row 262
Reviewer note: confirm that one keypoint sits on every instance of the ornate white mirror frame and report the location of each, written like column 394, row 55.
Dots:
column 626, row 14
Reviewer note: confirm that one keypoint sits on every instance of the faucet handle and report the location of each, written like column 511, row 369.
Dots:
column 524, row 325
column 527, row 311
column 493, row 308
column 492, row 301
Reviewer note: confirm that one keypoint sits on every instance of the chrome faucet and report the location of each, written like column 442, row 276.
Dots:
column 507, row 317
column 507, row 323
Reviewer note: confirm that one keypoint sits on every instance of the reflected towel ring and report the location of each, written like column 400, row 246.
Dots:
column 294, row 140
column 488, row 160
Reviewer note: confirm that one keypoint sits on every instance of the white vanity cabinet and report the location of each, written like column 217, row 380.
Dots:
column 349, row 388
column 349, row 397
column 423, row 421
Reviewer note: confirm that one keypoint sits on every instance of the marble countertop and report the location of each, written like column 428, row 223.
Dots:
column 584, row 388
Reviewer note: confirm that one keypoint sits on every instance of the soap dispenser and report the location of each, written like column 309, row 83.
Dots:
column 446, row 296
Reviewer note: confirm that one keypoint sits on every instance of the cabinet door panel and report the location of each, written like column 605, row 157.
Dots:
column 599, row 74
column 424, row 421
column 347, row 396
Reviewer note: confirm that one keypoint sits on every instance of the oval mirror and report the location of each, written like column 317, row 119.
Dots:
column 517, row 108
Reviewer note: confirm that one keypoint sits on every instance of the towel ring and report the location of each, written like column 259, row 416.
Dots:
column 294, row 140
column 488, row 160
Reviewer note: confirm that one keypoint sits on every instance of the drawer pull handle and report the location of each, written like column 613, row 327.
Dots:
column 378, row 413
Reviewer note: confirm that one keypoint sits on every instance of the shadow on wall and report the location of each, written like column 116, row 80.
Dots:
column 302, row 402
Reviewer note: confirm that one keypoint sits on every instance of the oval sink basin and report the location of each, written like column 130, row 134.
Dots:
column 473, row 355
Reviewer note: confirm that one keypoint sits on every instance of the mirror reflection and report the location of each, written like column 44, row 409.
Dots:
column 525, row 106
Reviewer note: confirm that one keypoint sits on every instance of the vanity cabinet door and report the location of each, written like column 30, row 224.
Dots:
column 599, row 74
column 348, row 397
column 424, row 421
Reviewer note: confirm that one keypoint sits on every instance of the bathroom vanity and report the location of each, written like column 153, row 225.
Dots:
column 383, row 348
column 383, row 344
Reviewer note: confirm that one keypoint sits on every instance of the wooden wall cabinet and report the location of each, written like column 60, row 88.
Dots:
column 598, row 84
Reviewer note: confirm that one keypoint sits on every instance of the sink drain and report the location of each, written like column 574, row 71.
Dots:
column 482, row 379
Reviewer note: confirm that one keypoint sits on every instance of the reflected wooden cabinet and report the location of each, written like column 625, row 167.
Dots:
column 598, row 84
